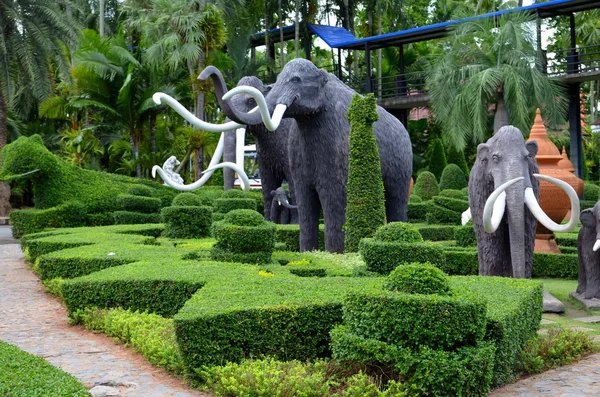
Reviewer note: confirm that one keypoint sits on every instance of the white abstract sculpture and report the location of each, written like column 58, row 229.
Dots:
column 169, row 170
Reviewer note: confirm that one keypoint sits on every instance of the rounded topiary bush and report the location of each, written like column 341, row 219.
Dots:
column 455, row 194
column 398, row 232
column 234, row 193
column 591, row 192
column 453, row 178
column 426, row 186
column 140, row 190
column 437, row 158
column 186, row 199
column 243, row 236
column 147, row 205
column 458, row 157
column 413, row 198
column 418, row 278
column 244, row 218
column 465, row 236
column 225, row 205
column 187, row 222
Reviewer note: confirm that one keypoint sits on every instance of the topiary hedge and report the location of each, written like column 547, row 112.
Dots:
column 453, row 178
column 243, row 236
column 383, row 257
column 458, row 157
column 139, row 190
column 134, row 218
column 398, row 232
column 465, row 236
column 187, row 222
column 418, row 278
column 69, row 214
column 145, row 205
column 455, row 194
column 437, row 232
column 225, row 205
column 426, row 186
column 437, row 158
column 437, row 214
column 290, row 236
column 413, row 198
column 591, row 192
column 456, row 205
column 187, row 199
column 365, row 201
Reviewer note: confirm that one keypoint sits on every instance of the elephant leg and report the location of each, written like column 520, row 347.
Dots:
column 581, row 277
column 269, row 181
column 334, row 211
column 494, row 252
column 274, row 211
column 308, row 216
column 396, row 206
column 284, row 216
column 592, row 276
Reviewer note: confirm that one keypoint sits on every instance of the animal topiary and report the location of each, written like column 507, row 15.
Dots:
column 426, row 186
column 453, row 178
column 398, row 232
column 365, row 200
column 418, row 278
column 186, row 199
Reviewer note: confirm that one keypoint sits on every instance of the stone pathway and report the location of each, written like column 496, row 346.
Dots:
column 37, row 323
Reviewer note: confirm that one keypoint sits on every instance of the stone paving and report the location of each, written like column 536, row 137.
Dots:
column 37, row 323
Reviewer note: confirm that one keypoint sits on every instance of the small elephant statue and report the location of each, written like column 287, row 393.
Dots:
column 282, row 211
column 588, row 250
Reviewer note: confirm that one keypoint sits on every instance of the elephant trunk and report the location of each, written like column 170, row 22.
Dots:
column 287, row 205
column 264, row 114
column 516, row 229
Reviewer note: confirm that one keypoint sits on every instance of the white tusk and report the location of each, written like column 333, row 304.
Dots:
column 596, row 245
column 270, row 123
column 466, row 216
column 495, row 206
column 240, row 171
column 160, row 97
column 207, row 173
column 537, row 211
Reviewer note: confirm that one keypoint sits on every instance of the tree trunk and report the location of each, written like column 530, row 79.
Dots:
column 101, row 18
column 501, row 115
column 184, row 161
column 136, row 154
column 280, row 16
column 229, row 156
column 4, row 187
column 198, row 162
column 267, row 37
column 153, row 134
column 379, row 54
column 297, row 30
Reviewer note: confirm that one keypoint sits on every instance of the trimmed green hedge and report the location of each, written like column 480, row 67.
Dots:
column 566, row 239
column 224, row 205
column 146, row 205
column 70, row 214
column 453, row 178
column 591, row 192
column 187, row 222
column 437, row 158
column 365, row 201
column 458, row 205
column 290, row 236
column 187, row 199
column 134, row 218
column 413, row 198
column 383, row 257
column 140, row 190
column 398, row 232
column 426, row 186
column 465, row 236
column 455, row 194
column 437, row 232
column 417, row 212
column 437, row 214
column 585, row 204
column 23, row 374
column 417, row 278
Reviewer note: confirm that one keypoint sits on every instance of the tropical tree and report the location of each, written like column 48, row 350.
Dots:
column 491, row 62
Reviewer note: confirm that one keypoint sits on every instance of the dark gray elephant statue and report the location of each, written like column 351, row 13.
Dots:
column 503, row 197
column 588, row 245
column 282, row 212
column 318, row 148
column 271, row 147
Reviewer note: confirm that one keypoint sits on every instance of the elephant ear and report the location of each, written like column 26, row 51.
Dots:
column 483, row 150
column 587, row 218
column 532, row 148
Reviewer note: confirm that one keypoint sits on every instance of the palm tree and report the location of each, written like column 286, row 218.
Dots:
column 491, row 62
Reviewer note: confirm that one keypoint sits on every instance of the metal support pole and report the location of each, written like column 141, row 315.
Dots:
column 575, row 104
column 369, row 80
column 339, row 63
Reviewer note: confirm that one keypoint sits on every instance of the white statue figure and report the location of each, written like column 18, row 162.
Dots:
column 169, row 170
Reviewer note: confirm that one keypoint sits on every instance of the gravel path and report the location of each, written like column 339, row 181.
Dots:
column 37, row 323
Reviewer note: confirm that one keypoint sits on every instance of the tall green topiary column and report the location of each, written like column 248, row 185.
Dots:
column 437, row 158
column 365, row 208
column 458, row 157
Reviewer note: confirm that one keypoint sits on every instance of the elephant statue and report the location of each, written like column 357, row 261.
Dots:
column 503, row 198
column 588, row 244
column 318, row 147
column 282, row 212
column 271, row 147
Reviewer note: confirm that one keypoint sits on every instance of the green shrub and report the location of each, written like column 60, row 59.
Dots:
column 413, row 198
column 437, row 158
column 465, row 191
column 557, row 347
column 437, row 215
column 217, row 216
column 591, row 192
column 69, row 214
column 437, row 232
column 426, row 186
column 230, row 204
column 555, row 266
column 453, row 178
column 139, row 190
column 457, row 205
column 187, row 222
column 134, row 218
column 234, row 193
column 567, row 240
column 257, row 195
column 458, row 157
column 244, row 218
column 383, row 257
column 465, row 236
column 208, row 194
column 101, row 219
column 417, row 212
column 247, row 243
column 418, row 278
column 460, row 262
column 365, row 202
column 304, row 268
column 58, row 182
column 149, row 334
column 146, row 205
column 398, row 232
column 23, row 374
column 290, row 236
column 585, row 204
column 187, row 199
column 455, row 194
